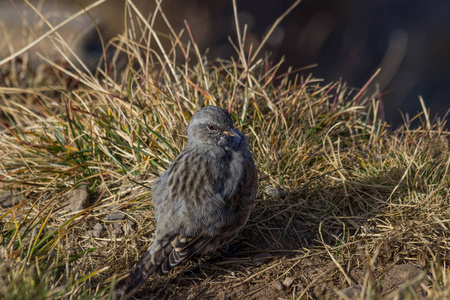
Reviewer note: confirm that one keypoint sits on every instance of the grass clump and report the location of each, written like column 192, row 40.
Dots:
column 343, row 198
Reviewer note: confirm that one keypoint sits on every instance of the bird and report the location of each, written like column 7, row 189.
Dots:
column 202, row 201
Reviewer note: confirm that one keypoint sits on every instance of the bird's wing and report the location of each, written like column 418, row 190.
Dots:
column 242, row 201
column 250, row 188
column 182, row 247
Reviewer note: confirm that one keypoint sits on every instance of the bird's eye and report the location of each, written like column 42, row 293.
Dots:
column 211, row 127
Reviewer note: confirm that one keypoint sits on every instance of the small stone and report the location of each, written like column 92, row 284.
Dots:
column 277, row 285
column 352, row 292
column 117, row 232
column 398, row 275
column 98, row 227
column 261, row 258
column 94, row 233
column 78, row 199
column 115, row 216
column 275, row 192
column 7, row 199
column 288, row 281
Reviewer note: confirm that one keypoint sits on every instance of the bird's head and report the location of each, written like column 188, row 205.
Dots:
column 213, row 125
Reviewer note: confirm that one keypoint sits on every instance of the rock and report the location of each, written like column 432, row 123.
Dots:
column 261, row 258
column 7, row 199
column 352, row 292
column 94, row 233
column 115, row 216
column 98, row 227
column 117, row 232
column 275, row 192
column 78, row 199
column 288, row 281
column 277, row 285
column 398, row 275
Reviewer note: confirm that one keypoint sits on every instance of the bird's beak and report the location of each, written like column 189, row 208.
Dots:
column 229, row 133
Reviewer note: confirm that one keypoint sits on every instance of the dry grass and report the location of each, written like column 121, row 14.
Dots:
column 342, row 197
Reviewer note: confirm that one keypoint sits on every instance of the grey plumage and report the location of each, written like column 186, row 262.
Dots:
column 202, row 201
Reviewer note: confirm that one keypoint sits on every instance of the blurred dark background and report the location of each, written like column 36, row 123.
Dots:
column 348, row 39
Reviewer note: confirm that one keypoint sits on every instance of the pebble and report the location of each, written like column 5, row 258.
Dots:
column 275, row 192
column 288, row 281
column 115, row 216
column 117, row 232
column 94, row 233
column 78, row 199
column 7, row 199
column 277, row 285
column 398, row 275
column 352, row 292
column 98, row 227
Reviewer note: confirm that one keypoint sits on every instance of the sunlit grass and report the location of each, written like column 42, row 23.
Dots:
column 368, row 196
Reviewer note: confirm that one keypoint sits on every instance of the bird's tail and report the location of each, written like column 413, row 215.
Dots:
column 150, row 263
column 170, row 251
column 136, row 276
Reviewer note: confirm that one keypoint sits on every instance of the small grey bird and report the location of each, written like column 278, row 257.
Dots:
column 202, row 201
